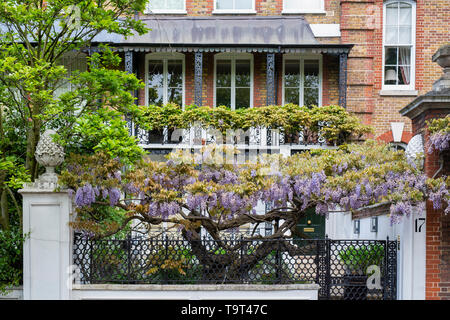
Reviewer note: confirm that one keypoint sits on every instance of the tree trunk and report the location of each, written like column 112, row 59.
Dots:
column 4, row 221
column 230, row 267
column 32, row 141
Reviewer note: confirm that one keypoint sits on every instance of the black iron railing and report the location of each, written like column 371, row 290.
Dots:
column 340, row 267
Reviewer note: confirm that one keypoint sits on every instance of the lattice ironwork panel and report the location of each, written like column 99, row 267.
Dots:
column 340, row 267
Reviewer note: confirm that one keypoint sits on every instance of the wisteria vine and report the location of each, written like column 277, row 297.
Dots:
column 439, row 134
column 221, row 196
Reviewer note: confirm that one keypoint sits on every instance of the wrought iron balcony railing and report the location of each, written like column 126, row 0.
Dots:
column 260, row 137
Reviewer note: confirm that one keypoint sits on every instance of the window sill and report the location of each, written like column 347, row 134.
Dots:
column 399, row 93
column 165, row 12
column 250, row 11
column 304, row 12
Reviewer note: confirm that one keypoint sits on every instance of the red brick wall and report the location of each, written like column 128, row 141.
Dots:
column 361, row 24
column 437, row 279
column 262, row 7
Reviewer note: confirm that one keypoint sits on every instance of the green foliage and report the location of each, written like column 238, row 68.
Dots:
column 11, row 242
column 441, row 125
column 175, row 264
column 340, row 125
column 37, row 35
column 13, row 171
column 358, row 259
column 104, row 131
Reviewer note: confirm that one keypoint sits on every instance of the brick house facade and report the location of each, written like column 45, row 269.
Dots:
column 353, row 43
column 359, row 23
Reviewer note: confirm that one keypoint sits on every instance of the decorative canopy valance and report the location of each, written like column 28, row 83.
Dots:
column 330, row 49
column 224, row 34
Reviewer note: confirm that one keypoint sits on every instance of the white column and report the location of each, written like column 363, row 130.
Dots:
column 47, row 250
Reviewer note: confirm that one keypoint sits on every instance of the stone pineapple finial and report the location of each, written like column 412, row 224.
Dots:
column 49, row 154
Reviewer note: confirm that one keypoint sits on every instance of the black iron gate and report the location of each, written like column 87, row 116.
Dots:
column 344, row 269
column 357, row 269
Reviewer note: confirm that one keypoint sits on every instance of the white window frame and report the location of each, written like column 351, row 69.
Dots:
column 236, row 11
column 165, row 57
column 233, row 57
column 300, row 10
column 71, row 61
column 301, row 59
column 412, row 81
column 165, row 11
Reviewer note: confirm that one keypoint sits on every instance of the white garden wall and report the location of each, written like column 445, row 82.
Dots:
column 12, row 294
column 196, row 292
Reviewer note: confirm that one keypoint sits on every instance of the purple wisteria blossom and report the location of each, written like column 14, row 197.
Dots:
column 399, row 210
column 131, row 188
column 85, row 196
column 114, row 196
column 439, row 141
column 164, row 209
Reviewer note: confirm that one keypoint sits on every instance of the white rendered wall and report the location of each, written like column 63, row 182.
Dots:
column 196, row 292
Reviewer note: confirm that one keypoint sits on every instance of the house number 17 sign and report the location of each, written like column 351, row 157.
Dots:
column 419, row 223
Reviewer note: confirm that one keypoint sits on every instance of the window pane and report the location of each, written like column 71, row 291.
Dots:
column 405, row 14
column 166, row 4
column 391, row 35
column 224, row 4
column 405, row 35
column 175, row 73
column 155, row 73
column 242, row 98
column 242, row 73
column 155, row 82
column 311, row 68
column 392, row 14
column 404, row 75
column 390, row 56
column 243, row 4
column 155, row 96
column 223, row 75
column 404, row 57
column 291, row 95
column 390, row 75
column 223, row 97
column 292, row 73
column 311, row 97
column 157, row 4
column 302, row 4
column 175, row 95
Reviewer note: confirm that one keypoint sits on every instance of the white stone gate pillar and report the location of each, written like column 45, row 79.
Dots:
column 47, row 250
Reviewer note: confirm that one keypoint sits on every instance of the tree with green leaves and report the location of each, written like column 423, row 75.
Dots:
column 36, row 36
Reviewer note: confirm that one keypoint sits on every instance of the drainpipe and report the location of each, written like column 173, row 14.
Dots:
column 441, row 161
